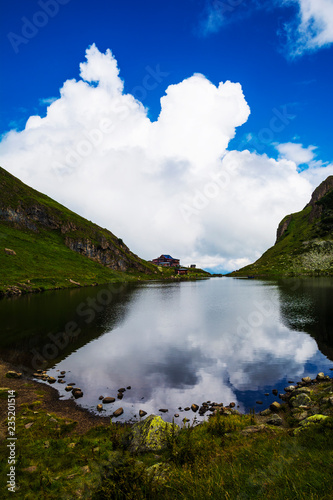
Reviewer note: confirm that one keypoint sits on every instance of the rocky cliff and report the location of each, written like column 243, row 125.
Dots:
column 304, row 240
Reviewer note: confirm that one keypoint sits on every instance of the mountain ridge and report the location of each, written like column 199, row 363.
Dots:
column 304, row 241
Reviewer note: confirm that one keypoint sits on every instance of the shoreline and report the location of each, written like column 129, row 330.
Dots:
column 20, row 289
column 29, row 391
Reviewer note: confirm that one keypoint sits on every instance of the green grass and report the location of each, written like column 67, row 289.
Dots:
column 210, row 460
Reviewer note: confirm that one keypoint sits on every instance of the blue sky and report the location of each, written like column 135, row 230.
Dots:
column 280, row 52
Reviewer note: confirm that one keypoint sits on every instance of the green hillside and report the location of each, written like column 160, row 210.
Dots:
column 304, row 244
column 54, row 247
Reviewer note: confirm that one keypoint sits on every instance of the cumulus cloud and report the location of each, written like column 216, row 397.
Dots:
column 296, row 152
column 313, row 27
column 165, row 186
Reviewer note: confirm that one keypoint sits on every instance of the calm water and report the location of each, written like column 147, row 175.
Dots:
column 175, row 344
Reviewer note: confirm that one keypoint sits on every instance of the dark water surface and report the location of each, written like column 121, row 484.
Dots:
column 175, row 344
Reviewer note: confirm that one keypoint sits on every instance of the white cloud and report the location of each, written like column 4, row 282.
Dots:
column 296, row 152
column 166, row 186
column 313, row 28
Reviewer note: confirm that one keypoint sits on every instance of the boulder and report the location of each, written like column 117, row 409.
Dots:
column 290, row 388
column 301, row 390
column 314, row 419
column 99, row 407
column 142, row 413
column 151, row 434
column 307, row 380
column 275, row 406
column 275, row 420
column 265, row 413
column 310, row 421
column 108, row 400
column 118, row 412
column 300, row 400
column 300, row 416
column 12, row 374
column 320, row 376
column 194, row 407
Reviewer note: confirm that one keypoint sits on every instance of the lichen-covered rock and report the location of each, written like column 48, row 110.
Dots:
column 310, row 421
column 300, row 400
column 320, row 376
column 159, row 472
column 275, row 420
column 314, row 419
column 151, row 434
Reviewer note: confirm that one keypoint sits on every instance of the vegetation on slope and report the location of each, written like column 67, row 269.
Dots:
column 54, row 248
column 304, row 243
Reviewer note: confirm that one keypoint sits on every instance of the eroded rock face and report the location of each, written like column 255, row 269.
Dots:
column 151, row 434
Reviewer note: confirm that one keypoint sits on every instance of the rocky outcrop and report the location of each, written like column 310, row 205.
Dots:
column 325, row 187
column 104, row 252
column 283, row 226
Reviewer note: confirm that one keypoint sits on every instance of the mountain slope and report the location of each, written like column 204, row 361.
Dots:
column 45, row 245
column 304, row 244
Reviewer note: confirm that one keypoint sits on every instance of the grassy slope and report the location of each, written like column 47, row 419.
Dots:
column 306, row 247
column 42, row 259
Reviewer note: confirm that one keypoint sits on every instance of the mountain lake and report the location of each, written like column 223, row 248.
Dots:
column 172, row 344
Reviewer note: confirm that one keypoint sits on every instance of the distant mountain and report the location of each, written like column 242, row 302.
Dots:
column 44, row 245
column 304, row 243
